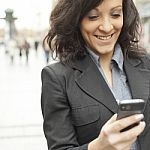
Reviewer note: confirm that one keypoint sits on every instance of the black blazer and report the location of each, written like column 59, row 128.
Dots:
column 77, row 102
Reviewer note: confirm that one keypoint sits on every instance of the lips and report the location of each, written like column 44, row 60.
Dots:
column 104, row 37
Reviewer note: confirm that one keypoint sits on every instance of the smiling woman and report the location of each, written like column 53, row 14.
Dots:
column 102, row 26
column 100, row 64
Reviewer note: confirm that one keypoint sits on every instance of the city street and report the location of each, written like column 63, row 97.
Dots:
column 20, row 109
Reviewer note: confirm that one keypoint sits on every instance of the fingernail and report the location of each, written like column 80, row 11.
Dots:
column 143, row 123
column 139, row 116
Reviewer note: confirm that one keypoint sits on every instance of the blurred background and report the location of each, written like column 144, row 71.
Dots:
column 23, row 24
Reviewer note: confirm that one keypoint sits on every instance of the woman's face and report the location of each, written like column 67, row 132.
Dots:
column 101, row 27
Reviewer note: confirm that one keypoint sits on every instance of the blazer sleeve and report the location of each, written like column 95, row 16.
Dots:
column 58, row 128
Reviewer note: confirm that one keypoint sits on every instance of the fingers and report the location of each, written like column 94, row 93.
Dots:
column 134, row 132
column 113, row 138
column 125, row 122
column 116, row 126
column 109, row 123
column 111, row 120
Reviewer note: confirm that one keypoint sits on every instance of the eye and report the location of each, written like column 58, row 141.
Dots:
column 94, row 17
column 116, row 15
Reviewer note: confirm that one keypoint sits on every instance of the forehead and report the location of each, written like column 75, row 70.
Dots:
column 109, row 4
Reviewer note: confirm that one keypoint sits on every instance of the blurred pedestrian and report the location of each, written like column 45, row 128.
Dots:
column 36, row 44
column 26, row 47
column 46, row 52
column 11, row 47
column 20, row 50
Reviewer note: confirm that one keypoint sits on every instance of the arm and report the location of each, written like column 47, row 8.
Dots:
column 58, row 128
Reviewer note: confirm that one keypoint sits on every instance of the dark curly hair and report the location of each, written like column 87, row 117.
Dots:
column 64, row 37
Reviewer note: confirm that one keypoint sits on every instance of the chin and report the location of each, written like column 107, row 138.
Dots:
column 105, row 49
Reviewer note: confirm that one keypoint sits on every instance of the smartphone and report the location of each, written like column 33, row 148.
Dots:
column 130, row 107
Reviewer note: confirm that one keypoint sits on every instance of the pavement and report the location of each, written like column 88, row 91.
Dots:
column 20, row 107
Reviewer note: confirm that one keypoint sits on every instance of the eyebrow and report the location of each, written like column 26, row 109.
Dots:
column 119, row 6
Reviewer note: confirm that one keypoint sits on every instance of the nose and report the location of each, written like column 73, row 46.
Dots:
column 106, row 25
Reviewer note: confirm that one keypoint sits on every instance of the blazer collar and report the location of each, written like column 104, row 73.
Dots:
column 138, row 78
column 91, row 81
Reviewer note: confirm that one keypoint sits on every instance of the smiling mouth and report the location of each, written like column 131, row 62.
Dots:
column 104, row 37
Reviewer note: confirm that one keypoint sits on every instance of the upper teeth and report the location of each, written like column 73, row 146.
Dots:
column 104, row 37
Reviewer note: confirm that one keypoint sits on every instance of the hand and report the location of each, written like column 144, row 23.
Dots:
column 110, row 137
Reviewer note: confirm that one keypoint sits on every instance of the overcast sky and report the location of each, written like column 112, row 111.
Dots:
column 30, row 13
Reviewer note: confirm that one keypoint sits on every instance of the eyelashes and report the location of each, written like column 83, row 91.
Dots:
column 116, row 15
column 94, row 17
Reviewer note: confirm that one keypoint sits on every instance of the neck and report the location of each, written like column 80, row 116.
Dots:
column 105, row 60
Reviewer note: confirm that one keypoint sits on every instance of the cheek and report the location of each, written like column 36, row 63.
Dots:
column 120, row 24
column 118, row 27
column 86, row 38
column 86, row 34
column 87, row 28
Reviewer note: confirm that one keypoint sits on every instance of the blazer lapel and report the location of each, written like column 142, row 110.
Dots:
column 138, row 78
column 91, row 82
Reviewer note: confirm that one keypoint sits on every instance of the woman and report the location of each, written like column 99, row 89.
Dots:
column 100, row 65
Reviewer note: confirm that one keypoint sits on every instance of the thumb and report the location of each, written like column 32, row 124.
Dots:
column 111, row 120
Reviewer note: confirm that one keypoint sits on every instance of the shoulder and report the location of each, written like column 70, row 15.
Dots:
column 56, row 71
column 57, row 68
column 142, row 61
